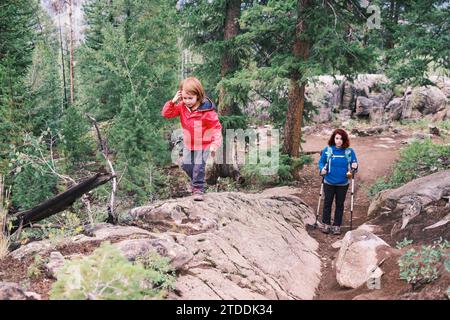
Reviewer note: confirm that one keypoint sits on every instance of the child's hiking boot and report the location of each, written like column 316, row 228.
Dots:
column 198, row 195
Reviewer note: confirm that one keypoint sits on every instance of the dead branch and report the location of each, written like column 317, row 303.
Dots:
column 59, row 202
column 104, row 150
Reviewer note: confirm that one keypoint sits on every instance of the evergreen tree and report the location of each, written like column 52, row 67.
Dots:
column 16, row 45
column 293, row 41
column 416, row 42
column 128, row 70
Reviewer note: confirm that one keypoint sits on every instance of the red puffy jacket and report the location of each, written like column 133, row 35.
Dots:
column 201, row 128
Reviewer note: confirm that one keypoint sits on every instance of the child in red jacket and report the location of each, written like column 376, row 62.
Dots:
column 202, row 131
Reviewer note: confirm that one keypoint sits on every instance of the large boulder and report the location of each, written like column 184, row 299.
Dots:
column 417, row 210
column 423, row 101
column 244, row 246
column 357, row 259
column 394, row 109
column 377, row 115
column 443, row 83
column 365, row 105
column 323, row 94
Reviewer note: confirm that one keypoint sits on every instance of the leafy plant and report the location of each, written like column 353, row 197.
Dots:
column 107, row 274
column 404, row 243
column 421, row 267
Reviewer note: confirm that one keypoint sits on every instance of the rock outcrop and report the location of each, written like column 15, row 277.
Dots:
column 419, row 209
column 244, row 246
column 367, row 96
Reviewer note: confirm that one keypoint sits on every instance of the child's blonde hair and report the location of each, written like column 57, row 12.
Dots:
column 193, row 86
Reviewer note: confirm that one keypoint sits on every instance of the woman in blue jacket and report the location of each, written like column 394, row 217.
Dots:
column 336, row 163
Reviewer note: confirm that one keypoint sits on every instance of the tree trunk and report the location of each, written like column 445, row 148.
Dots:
column 229, row 61
column 71, row 44
column 228, row 65
column 296, row 98
column 62, row 63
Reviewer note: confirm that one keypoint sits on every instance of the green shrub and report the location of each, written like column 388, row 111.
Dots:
column 107, row 275
column 35, row 269
column 252, row 173
column 420, row 267
column 422, row 124
column 286, row 167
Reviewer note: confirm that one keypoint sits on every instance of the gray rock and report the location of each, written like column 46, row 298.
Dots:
column 55, row 263
column 394, row 109
column 324, row 115
column 37, row 247
column 363, row 106
column 164, row 246
column 370, row 131
column 443, row 83
column 12, row 291
column 434, row 130
column 357, row 260
column 442, row 115
column 409, row 204
column 345, row 115
column 376, row 115
column 104, row 231
column 231, row 236
column 427, row 100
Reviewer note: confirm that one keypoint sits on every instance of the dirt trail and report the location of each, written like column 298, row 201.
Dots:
column 376, row 155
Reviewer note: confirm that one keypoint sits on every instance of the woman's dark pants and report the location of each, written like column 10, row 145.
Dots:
column 331, row 192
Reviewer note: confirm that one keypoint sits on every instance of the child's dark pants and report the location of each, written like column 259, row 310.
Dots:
column 194, row 163
column 330, row 192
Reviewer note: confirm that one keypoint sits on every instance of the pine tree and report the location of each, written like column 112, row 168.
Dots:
column 16, row 45
column 128, row 70
column 417, row 34
column 291, row 42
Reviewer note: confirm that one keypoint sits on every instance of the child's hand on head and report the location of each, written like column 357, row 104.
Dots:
column 177, row 97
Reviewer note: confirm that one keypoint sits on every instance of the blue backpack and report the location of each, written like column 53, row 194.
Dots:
column 348, row 155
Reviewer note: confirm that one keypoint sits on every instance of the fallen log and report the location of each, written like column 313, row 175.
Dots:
column 58, row 203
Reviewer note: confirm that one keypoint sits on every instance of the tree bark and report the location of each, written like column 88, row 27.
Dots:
column 59, row 202
column 62, row 63
column 229, row 61
column 228, row 65
column 296, row 97
column 71, row 44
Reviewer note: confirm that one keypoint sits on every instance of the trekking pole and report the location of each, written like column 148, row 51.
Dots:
column 320, row 196
column 318, row 204
column 351, row 202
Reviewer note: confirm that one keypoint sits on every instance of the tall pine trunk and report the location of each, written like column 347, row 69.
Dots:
column 229, row 61
column 71, row 44
column 296, row 98
column 228, row 65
